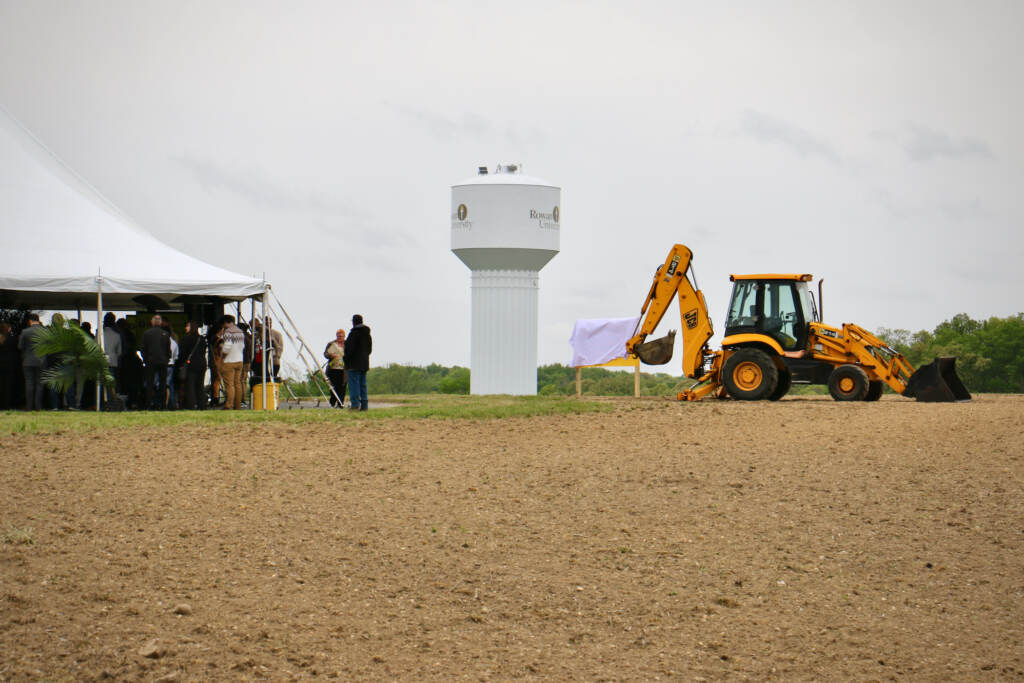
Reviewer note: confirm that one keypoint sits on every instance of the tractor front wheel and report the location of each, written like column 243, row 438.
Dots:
column 782, row 388
column 874, row 390
column 750, row 375
column 848, row 383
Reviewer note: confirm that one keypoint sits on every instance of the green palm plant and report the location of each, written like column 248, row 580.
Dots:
column 79, row 358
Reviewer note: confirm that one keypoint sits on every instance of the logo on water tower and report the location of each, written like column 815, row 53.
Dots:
column 545, row 219
column 459, row 221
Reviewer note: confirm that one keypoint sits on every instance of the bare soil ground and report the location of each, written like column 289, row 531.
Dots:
column 797, row 540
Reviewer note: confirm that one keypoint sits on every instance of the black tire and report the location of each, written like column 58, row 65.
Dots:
column 848, row 383
column 782, row 388
column 750, row 375
column 875, row 388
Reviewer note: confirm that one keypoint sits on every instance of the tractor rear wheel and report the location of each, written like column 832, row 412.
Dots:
column 782, row 388
column 848, row 383
column 750, row 375
column 875, row 387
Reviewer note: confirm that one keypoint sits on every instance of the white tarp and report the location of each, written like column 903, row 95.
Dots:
column 598, row 340
column 57, row 235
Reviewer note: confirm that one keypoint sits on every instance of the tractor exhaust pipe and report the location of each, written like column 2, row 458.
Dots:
column 937, row 382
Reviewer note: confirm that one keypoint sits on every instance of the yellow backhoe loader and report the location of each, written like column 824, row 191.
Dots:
column 774, row 338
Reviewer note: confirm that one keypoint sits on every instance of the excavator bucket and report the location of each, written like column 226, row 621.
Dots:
column 657, row 352
column 937, row 382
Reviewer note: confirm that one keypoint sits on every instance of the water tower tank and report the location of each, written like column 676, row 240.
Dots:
column 505, row 227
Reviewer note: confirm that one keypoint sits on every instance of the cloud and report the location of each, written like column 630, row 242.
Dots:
column 593, row 301
column 534, row 139
column 331, row 218
column 444, row 128
column 770, row 130
column 970, row 211
column 894, row 206
column 261, row 191
column 965, row 211
column 469, row 125
column 924, row 145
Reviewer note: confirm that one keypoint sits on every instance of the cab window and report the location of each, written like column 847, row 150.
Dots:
column 744, row 310
column 807, row 302
column 781, row 314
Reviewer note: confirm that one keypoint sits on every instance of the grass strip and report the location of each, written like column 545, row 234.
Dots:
column 429, row 406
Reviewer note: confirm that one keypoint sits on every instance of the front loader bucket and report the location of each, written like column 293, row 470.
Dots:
column 937, row 382
column 657, row 352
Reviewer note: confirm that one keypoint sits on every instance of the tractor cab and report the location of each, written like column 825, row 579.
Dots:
column 775, row 306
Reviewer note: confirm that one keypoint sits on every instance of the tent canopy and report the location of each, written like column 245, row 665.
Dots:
column 61, row 241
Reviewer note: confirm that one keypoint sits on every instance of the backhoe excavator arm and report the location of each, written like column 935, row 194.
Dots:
column 672, row 278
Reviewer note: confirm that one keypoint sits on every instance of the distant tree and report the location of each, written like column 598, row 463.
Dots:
column 396, row 378
column 989, row 354
column 455, row 381
column 548, row 390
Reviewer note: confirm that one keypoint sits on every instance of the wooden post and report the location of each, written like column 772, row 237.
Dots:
column 614, row 363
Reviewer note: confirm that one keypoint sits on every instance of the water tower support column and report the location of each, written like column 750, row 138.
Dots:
column 503, row 342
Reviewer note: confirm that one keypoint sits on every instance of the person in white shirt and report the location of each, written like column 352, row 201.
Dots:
column 234, row 345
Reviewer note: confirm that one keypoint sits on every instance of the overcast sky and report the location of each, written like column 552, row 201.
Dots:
column 878, row 145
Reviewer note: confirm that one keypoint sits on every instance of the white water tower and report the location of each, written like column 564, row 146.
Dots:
column 505, row 227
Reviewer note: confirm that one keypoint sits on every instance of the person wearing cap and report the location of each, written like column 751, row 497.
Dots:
column 334, row 353
column 358, row 347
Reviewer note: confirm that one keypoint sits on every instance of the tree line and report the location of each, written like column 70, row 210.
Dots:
column 989, row 353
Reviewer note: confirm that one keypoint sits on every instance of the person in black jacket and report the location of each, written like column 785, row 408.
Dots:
column 10, row 367
column 358, row 346
column 129, row 369
column 192, row 357
column 156, row 354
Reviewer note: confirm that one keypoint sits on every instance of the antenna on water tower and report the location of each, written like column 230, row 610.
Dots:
column 505, row 228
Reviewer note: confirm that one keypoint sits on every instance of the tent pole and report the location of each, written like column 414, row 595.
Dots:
column 263, row 328
column 252, row 346
column 252, row 318
column 305, row 345
column 99, row 330
column 302, row 356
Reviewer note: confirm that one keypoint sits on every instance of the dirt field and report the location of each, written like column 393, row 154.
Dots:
column 799, row 540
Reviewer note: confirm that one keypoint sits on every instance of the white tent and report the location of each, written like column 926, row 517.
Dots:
column 62, row 243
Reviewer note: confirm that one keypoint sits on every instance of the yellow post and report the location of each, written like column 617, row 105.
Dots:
column 629, row 361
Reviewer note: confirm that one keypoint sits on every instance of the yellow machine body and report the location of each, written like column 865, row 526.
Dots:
column 773, row 338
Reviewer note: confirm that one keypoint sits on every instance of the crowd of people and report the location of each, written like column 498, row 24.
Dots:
column 158, row 370
column 21, row 370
